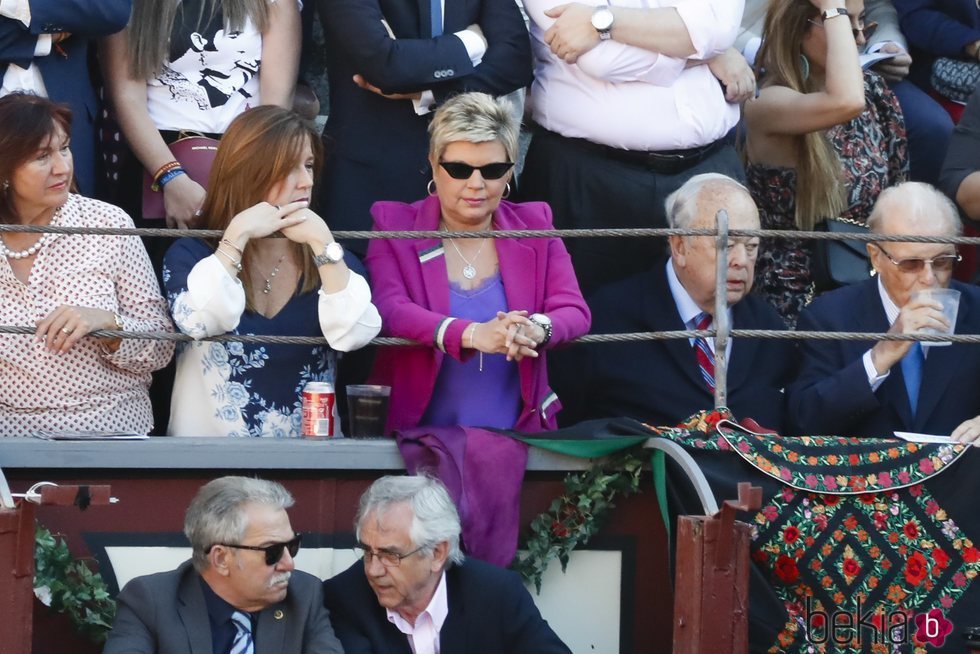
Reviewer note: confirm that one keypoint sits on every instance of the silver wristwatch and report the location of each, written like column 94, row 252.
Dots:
column 544, row 322
column 333, row 253
column 602, row 21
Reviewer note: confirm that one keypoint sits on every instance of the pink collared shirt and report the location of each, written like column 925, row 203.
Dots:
column 423, row 636
column 634, row 99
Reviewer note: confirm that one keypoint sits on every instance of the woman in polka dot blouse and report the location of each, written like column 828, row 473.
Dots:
column 69, row 286
column 244, row 283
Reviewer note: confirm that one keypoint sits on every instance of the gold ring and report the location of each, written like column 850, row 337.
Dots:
column 66, row 330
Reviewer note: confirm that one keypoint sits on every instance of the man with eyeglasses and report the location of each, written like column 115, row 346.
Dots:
column 663, row 382
column 239, row 593
column 415, row 593
column 848, row 388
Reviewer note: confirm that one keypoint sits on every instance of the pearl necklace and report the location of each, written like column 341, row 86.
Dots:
column 29, row 252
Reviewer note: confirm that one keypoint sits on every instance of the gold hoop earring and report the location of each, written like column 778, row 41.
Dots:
column 431, row 187
column 506, row 191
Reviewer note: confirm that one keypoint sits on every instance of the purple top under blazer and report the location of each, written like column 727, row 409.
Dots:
column 410, row 288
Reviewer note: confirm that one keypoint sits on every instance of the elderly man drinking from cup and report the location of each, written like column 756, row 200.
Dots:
column 849, row 388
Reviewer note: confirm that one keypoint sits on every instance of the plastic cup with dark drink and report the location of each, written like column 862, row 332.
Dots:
column 367, row 407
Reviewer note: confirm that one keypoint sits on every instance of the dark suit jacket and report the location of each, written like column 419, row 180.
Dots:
column 832, row 394
column 66, row 75
column 378, row 147
column 659, row 382
column 937, row 28
column 165, row 613
column 490, row 612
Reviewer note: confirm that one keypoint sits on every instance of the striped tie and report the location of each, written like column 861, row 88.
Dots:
column 243, row 640
column 706, row 358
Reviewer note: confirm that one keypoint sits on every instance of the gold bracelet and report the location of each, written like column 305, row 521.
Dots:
column 233, row 247
column 236, row 264
column 472, row 329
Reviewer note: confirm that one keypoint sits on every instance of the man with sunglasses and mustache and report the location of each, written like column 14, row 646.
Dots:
column 239, row 593
column 852, row 389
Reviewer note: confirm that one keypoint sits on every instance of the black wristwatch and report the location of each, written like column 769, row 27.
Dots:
column 544, row 322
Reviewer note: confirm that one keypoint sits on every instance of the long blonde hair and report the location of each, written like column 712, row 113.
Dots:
column 152, row 22
column 259, row 149
column 819, row 173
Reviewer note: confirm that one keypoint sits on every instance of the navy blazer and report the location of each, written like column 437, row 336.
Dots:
column 66, row 72
column 378, row 147
column 490, row 612
column 832, row 394
column 937, row 28
column 165, row 613
column 659, row 382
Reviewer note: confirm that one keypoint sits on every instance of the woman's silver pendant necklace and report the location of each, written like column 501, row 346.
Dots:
column 272, row 275
column 469, row 270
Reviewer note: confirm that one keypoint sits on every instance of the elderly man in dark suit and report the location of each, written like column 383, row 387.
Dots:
column 239, row 594
column 663, row 382
column 414, row 592
column 856, row 388
column 389, row 63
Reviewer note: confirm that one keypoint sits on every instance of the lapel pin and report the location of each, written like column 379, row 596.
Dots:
column 278, row 615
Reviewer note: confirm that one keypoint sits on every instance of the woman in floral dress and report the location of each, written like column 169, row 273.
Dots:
column 823, row 138
column 245, row 283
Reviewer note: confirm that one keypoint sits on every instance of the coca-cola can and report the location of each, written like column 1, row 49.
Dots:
column 318, row 403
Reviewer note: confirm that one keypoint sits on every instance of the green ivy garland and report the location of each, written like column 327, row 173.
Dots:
column 575, row 516
column 69, row 586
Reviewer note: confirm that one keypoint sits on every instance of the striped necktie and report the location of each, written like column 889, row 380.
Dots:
column 243, row 643
column 706, row 358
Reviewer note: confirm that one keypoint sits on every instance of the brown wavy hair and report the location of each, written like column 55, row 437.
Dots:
column 259, row 149
column 152, row 21
column 27, row 122
column 819, row 172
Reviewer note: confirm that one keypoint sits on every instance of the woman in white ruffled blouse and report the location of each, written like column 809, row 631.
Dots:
column 245, row 283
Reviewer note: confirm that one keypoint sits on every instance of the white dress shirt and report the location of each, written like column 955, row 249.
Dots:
column 423, row 636
column 634, row 99
column 689, row 310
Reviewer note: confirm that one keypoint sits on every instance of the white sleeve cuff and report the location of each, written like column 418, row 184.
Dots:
column 43, row 47
column 17, row 10
column 348, row 319
column 874, row 379
column 475, row 45
column 424, row 104
column 213, row 303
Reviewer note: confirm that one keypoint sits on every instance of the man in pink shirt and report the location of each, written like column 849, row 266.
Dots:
column 625, row 114
column 415, row 593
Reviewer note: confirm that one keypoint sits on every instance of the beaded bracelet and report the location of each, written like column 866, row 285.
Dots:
column 170, row 165
column 167, row 177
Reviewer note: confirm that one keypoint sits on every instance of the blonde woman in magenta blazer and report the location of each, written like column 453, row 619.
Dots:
column 485, row 310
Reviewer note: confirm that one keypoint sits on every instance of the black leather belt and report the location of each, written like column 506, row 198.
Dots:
column 667, row 162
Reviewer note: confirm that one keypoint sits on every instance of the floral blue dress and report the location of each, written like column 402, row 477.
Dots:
column 246, row 389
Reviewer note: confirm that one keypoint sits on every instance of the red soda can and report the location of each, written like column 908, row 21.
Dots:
column 318, row 403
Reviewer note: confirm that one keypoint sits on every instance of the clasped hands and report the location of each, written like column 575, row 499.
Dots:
column 511, row 333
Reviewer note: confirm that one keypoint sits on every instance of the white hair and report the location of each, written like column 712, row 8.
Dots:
column 434, row 516
column 681, row 205
column 921, row 204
